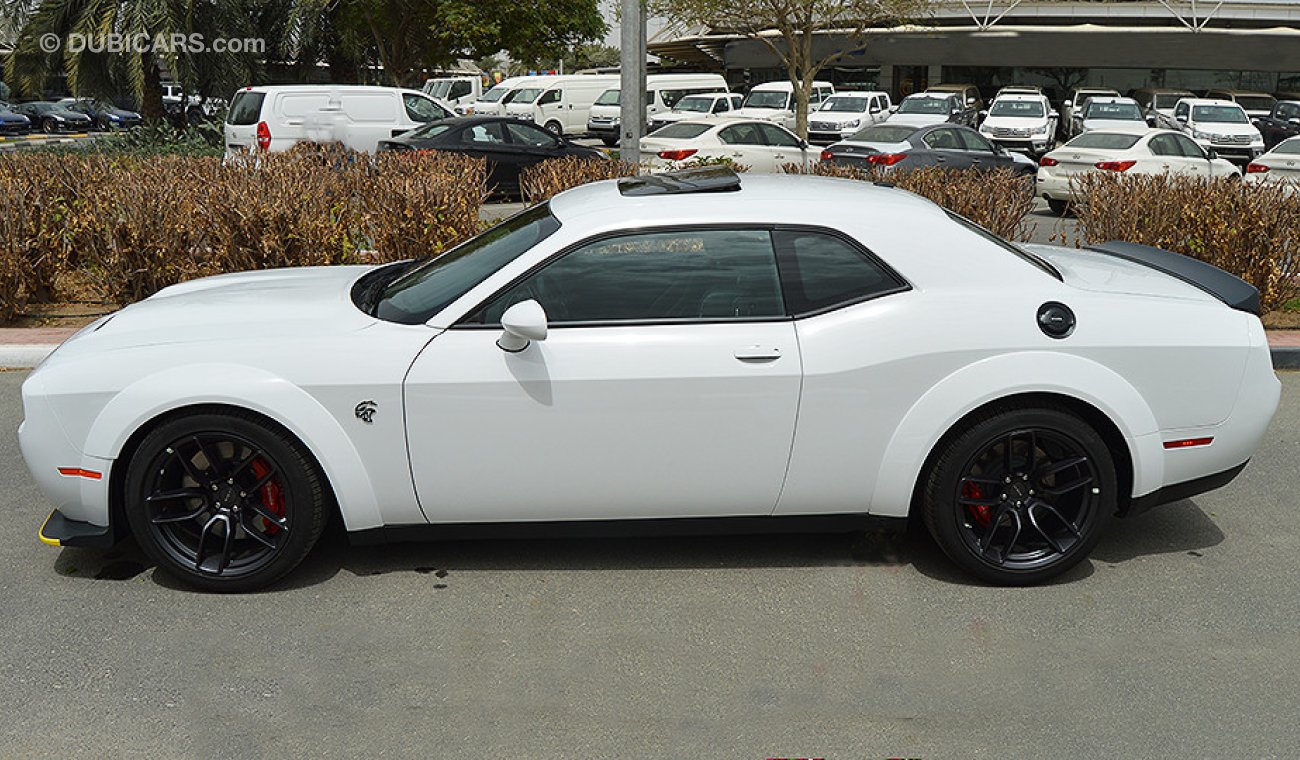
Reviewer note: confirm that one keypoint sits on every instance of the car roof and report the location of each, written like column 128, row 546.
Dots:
column 1112, row 99
column 1209, row 102
column 1020, row 96
column 793, row 198
column 854, row 93
column 927, row 94
column 1251, row 93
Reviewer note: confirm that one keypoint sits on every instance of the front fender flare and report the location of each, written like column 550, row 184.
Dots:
column 1002, row 376
column 248, row 388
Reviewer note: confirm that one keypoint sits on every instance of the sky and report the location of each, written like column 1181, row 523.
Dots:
column 610, row 10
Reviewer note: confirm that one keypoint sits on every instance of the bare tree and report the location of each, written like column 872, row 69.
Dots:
column 789, row 28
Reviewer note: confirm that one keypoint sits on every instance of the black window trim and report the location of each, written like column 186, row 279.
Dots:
column 463, row 322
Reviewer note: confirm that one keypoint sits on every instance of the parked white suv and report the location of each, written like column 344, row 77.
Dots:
column 1221, row 125
column 713, row 104
column 276, row 118
column 1021, row 122
column 774, row 101
column 459, row 92
column 844, row 113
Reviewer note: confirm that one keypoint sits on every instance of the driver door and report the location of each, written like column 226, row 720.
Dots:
column 667, row 386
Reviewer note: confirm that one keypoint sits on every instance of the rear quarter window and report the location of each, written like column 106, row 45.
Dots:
column 822, row 272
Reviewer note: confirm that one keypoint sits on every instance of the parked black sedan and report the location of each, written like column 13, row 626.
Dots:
column 11, row 122
column 897, row 146
column 103, row 115
column 509, row 145
column 52, row 117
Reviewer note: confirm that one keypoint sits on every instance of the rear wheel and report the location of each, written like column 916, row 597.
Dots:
column 49, row 126
column 223, row 501
column 609, row 141
column 555, row 128
column 1021, row 496
column 1060, row 208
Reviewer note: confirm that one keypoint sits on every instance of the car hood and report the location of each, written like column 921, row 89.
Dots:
column 917, row 119
column 837, row 117
column 1220, row 128
column 770, row 114
column 1013, row 122
column 245, row 306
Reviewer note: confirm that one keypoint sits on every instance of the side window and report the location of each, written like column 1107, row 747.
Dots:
column 528, row 134
column 741, row 134
column 689, row 275
column 777, row 137
column 822, row 271
column 721, row 105
column 459, row 89
column 1181, row 110
column 1164, row 145
column 943, row 139
column 972, row 140
column 487, row 133
column 424, row 110
column 550, row 96
column 1188, row 147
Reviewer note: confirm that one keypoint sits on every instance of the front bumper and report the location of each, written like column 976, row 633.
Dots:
column 826, row 138
column 602, row 128
column 1242, row 152
column 1036, row 145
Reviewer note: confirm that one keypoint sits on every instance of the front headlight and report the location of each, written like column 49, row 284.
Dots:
column 853, row 123
column 1199, row 135
column 986, row 129
column 1040, row 130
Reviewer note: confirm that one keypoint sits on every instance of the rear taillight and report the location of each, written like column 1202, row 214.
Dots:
column 828, row 156
column 263, row 136
column 1254, row 168
column 1047, row 161
column 1113, row 166
column 886, row 159
column 680, row 154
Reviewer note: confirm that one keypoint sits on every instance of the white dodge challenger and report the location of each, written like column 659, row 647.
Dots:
column 672, row 353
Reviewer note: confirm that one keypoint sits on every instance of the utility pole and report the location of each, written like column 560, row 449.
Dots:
column 632, row 82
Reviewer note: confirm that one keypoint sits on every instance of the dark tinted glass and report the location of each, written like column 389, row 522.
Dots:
column 426, row 290
column 682, row 131
column 1104, row 140
column 663, row 276
column 823, row 271
column 245, row 108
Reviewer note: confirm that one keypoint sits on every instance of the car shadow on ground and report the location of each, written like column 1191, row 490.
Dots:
column 1174, row 528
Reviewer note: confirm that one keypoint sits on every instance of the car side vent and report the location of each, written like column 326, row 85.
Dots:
column 705, row 179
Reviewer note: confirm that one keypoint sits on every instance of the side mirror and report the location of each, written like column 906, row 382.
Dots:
column 970, row 101
column 1294, row 120
column 893, row 109
column 521, row 324
column 984, row 113
column 1212, row 154
column 1182, row 117
column 1151, row 121
column 875, row 109
column 1068, row 104
column 1053, row 115
column 803, row 144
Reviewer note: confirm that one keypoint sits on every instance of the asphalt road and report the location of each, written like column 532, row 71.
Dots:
column 1178, row 639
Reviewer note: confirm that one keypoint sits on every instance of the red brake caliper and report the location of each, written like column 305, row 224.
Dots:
column 982, row 513
column 272, row 496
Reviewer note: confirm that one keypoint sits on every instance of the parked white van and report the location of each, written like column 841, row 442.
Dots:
column 493, row 102
column 276, row 118
column 663, row 91
column 457, row 91
column 559, row 103
column 774, row 101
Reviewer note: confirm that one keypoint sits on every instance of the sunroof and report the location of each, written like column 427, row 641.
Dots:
column 705, row 179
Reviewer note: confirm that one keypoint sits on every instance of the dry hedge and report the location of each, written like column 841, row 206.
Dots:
column 1252, row 231
column 542, row 181
column 137, row 225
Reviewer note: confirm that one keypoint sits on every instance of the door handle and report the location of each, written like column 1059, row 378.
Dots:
column 758, row 353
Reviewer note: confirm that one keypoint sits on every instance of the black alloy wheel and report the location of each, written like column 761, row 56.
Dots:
column 49, row 126
column 223, row 501
column 1021, row 496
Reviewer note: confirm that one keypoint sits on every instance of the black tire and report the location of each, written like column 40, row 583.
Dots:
column 49, row 126
column 555, row 128
column 194, row 477
column 609, row 141
column 1031, row 523
column 1060, row 208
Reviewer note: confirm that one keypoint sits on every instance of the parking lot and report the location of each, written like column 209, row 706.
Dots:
column 1177, row 639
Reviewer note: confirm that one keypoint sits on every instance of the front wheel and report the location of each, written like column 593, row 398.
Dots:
column 49, row 126
column 224, row 501
column 1021, row 496
column 609, row 141
column 1060, row 208
column 555, row 128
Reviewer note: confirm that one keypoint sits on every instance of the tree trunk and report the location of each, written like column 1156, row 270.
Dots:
column 151, row 103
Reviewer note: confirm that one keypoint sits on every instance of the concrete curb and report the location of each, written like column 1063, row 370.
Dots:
column 23, row 357
column 27, row 357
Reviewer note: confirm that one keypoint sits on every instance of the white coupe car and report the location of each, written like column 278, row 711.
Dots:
column 760, row 146
column 1136, row 151
column 1280, row 165
column 691, row 352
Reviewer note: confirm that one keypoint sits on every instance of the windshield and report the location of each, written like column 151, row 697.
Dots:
column 682, row 130
column 438, row 89
column 1104, row 141
column 1219, row 115
column 495, row 94
column 1170, row 99
column 925, row 105
column 883, row 133
column 1017, row 109
column 524, row 95
column 1117, row 111
column 694, row 104
column 1255, row 102
column 420, row 293
column 608, row 98
column 844, row 105
column 428, row 131
column 767, row 99
column 1290, row 147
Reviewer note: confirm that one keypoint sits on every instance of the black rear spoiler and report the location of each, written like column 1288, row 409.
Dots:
column 1232, row 290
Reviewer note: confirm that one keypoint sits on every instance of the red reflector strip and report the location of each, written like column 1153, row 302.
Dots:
column 1188, row 443
column 77, row 472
